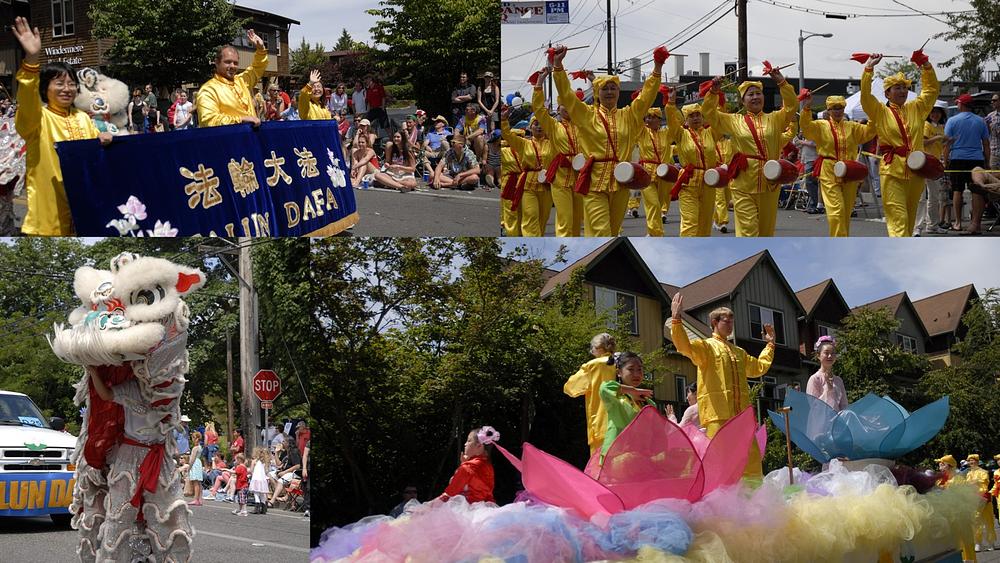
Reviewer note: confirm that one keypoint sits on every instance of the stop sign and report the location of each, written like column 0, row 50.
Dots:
column 266, row 385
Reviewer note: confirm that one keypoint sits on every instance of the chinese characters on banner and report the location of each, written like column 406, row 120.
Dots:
column 284, row 179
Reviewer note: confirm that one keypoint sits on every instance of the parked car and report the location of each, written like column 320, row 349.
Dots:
column 36, row 476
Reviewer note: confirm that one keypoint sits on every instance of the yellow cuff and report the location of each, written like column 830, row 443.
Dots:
column 559, row 68
column 771, row 344
column 28, row 67
column 676, row 321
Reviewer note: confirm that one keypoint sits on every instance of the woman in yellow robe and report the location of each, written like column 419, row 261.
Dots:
column 697, row 151
column 655, row 149
column 310, row 104
column 606, row 136
column 723, row 196
column 756, row 137
column 900, row 126
column 836, row 139
column 533, row 198
column 42, row 125
column 587, row 381
column 559, row 173
column 510, row 166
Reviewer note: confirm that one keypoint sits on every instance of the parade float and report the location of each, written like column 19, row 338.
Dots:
column 669, row 493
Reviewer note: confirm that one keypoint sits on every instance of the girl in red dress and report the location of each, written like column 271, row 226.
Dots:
column 474, row 477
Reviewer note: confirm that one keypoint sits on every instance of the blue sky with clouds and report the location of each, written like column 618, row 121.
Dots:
column 864, row 269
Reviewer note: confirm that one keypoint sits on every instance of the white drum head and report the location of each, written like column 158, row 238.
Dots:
column 712, row 177
column 916, row 160
column 772, row 170
column 578, row 161
column 662, row 170
column 624, row 172
column 840, row 169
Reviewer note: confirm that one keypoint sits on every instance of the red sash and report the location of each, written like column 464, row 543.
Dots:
column 583, row 181
column 562, row 160
column 149, row 471
column 889, row 151
column 740, row 160
column 515, row 194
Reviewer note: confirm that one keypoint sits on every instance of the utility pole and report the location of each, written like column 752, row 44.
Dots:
column 551, row 107
column 229, row 386
column 741, row 14
column 608, row 28
column 248, row 347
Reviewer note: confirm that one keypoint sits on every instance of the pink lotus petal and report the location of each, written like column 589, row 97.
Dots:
column 556, row 482
column 727, row 453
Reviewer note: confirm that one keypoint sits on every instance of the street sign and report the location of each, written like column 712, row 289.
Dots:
column 729, row 67
column 538, row 11
column 266, row 405
column 266, row 385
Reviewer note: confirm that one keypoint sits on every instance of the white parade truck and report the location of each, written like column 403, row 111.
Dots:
column 36, row 477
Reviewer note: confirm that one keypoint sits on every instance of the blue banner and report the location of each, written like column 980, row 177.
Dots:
column 283, row 179
column 36, row 494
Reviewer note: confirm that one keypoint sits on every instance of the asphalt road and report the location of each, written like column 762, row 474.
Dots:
column 220, row 537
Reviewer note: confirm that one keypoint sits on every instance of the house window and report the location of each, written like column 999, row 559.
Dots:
column 907, row 343
column 621, row 306
column 823, row 330
column 62, row 18
column 760, row 316
column 680, row 388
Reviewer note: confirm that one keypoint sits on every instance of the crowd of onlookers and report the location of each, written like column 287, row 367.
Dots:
column 272, row 474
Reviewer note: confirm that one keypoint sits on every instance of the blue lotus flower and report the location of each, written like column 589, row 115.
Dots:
column 873, row 427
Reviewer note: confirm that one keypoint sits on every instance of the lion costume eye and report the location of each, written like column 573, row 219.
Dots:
column 147, row 296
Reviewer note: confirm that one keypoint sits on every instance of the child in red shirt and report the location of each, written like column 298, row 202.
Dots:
column 474, row 477
column 242, row 485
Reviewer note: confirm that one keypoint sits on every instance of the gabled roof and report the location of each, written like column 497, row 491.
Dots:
column 942, row 313
column 720, row 284
column 585, row 262
column 893, row 303
column 811, row 296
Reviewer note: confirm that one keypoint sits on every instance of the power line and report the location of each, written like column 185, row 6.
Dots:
column 921, row 13
column 700, row 31
column 842, row 15
column 680, row 33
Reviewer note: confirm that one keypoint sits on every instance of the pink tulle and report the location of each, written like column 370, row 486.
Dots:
column 652, row 458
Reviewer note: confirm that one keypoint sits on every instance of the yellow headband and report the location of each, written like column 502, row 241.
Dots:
column 744, row 86
column 973, row 457
column 832, row 101
column 601, row 79
column 654, row 112
column 895, row 79
column 688, row 109
column 948, row 459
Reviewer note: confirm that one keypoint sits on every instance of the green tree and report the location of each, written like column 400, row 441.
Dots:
column 345, row 42
column 429, row 43
column 891, row 66
column 305, row 58
column 870, row 361
column 143, row 52
column 978, row 34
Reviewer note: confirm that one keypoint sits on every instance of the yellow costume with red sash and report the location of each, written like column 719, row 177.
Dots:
column 697, row 151
column 524, row 191
column 510, row 167
column 756, row 138
column 559, row 173
column 900, row 131
column 654, row 149
column 606, row 137
column 835, row 140
column 723, row 196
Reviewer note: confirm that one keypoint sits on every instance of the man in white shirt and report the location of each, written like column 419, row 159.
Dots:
column 358, row 99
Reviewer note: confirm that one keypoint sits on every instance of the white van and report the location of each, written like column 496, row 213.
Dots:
column 36, row 477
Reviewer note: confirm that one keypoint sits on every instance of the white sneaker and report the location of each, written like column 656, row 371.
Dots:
column 977, row 548
column 236, row 511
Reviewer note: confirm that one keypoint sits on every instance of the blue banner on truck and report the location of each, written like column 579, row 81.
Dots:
column 36, row 494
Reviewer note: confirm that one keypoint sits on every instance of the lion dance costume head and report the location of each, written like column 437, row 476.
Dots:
column 131, row 331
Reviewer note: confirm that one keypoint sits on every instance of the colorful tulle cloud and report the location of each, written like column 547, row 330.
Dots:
column 652, row 458
column 873, row 427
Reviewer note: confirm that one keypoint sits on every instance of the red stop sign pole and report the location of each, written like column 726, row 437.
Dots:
column 266, row 386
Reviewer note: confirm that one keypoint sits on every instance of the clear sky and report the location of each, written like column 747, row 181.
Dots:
column 864, row 269
column 773, row 35
column 321, row 20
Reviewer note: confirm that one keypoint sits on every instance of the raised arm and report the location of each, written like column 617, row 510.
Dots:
column 758, row 366
column 28, row 118
column 255, row 71
column 929, row 89
column 873, row 108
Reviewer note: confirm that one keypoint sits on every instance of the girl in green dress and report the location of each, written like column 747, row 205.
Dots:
column 622, row 397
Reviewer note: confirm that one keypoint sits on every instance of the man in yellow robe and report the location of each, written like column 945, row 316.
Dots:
column 42, row 125
column 723, row 369
column 654, row 149
column 900, row 126
column 756, row 137
column 836, row 139
column 225, row 99
column 984, row 525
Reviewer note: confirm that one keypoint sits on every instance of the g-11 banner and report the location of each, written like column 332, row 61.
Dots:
column 35, row 494
column 282, row 179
